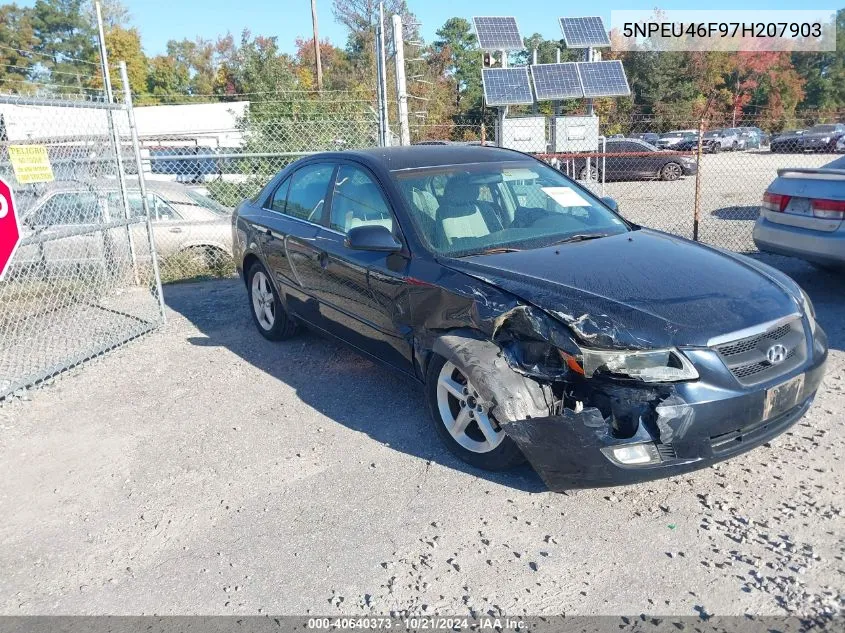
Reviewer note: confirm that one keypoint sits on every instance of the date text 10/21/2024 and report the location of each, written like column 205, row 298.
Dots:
column 416, row 623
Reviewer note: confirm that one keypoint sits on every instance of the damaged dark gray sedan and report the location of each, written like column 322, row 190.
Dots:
column 543, row 325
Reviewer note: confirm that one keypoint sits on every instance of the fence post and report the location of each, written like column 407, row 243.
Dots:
column 142, row 185
column 696, row 214
column 483, row 134
column 115, row 139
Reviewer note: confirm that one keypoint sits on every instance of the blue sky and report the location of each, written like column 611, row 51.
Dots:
column 162, row 20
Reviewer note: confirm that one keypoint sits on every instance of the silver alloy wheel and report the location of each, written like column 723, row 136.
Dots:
column 672, row 171
column 592, row 175
column 463, row 415
column 263, row 301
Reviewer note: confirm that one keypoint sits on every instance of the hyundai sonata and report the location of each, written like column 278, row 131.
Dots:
column 543, row 325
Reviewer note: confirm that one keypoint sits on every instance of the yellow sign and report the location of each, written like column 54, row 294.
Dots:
column 31, row 163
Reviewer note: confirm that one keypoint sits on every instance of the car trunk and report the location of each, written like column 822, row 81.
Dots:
column 802, row 186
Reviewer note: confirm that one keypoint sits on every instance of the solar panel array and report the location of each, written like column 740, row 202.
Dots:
column 557, row 81
column 584, row 32
column 506, row 86
column 498, row 34
column 603, row 79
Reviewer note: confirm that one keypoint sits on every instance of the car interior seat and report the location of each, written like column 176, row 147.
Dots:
column 461, row 214
column 360, row 205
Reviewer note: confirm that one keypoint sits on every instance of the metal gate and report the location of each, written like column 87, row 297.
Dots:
column 85, row 277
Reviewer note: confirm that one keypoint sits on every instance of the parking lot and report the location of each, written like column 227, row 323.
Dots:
column 732, row 186
column 204, row 470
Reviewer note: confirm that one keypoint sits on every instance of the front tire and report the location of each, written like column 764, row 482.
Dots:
column 463, row 423
column 266, row 308
column 593, row 174
column 671, row 171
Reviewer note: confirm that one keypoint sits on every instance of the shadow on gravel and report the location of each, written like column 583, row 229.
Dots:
column 737, row 213
column 826, row 289
column 332, row 379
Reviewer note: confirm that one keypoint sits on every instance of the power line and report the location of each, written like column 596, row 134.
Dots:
column 27, row 82
column 50, row 57
column 52, row 72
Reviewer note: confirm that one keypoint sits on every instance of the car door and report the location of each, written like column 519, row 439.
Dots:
column 67, row 223
column 362, row 294
column 648, row 162
column 615, row 167
column 291, row 219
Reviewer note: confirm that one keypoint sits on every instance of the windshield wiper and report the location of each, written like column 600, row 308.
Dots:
column 581, row 237
column 498, row 249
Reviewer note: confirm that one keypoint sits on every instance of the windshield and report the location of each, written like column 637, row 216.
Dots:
column 208, row 203
column 467, row 209
column 822, row 128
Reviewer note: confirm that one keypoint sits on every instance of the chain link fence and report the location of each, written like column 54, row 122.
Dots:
column 197, row 175
column 84, row 277
column 654, row 170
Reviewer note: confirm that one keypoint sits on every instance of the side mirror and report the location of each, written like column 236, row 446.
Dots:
column 372, row 237
column 610, row 202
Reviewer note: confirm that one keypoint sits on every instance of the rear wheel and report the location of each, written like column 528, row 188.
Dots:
column 267, row 311
column 462, row 420
column 671, row 171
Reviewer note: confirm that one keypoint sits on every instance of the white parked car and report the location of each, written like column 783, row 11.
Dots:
column 670, row 139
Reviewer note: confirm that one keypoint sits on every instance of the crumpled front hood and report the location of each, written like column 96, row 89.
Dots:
column 640, row 289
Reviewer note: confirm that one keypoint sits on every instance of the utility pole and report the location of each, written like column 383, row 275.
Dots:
column 401, row 84
column 317, row 46
column 381, row 68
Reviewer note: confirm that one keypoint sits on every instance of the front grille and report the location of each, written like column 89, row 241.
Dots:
column 747, row 357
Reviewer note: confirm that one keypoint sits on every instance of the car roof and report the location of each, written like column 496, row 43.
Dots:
column 417, row 156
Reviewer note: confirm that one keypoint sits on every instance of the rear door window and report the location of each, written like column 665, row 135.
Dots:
column 69, row 208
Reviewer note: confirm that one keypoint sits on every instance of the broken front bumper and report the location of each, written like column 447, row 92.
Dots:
column 701, row 423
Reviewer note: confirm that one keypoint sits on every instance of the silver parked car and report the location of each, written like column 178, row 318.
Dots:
column 802, row 215
column 67, row 215
column 728, row 139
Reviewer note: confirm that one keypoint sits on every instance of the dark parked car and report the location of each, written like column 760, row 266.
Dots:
column 632, row 159
column 543, row 325
column 822, row 138
column 648, row 137
column 786, row 142
column 670, row 139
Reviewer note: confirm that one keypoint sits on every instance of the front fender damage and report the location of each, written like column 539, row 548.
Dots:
column 560, row 419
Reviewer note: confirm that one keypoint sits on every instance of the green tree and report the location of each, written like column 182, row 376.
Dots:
column 461, row 58
column 66, row 39
column 16, row 38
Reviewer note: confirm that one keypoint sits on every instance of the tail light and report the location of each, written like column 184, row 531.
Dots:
column 829, row 209
column 775, row 201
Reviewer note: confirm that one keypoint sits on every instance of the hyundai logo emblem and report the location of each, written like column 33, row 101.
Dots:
column 776, row 354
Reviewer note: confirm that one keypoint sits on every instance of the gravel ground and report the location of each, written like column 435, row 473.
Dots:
column 203, row 470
